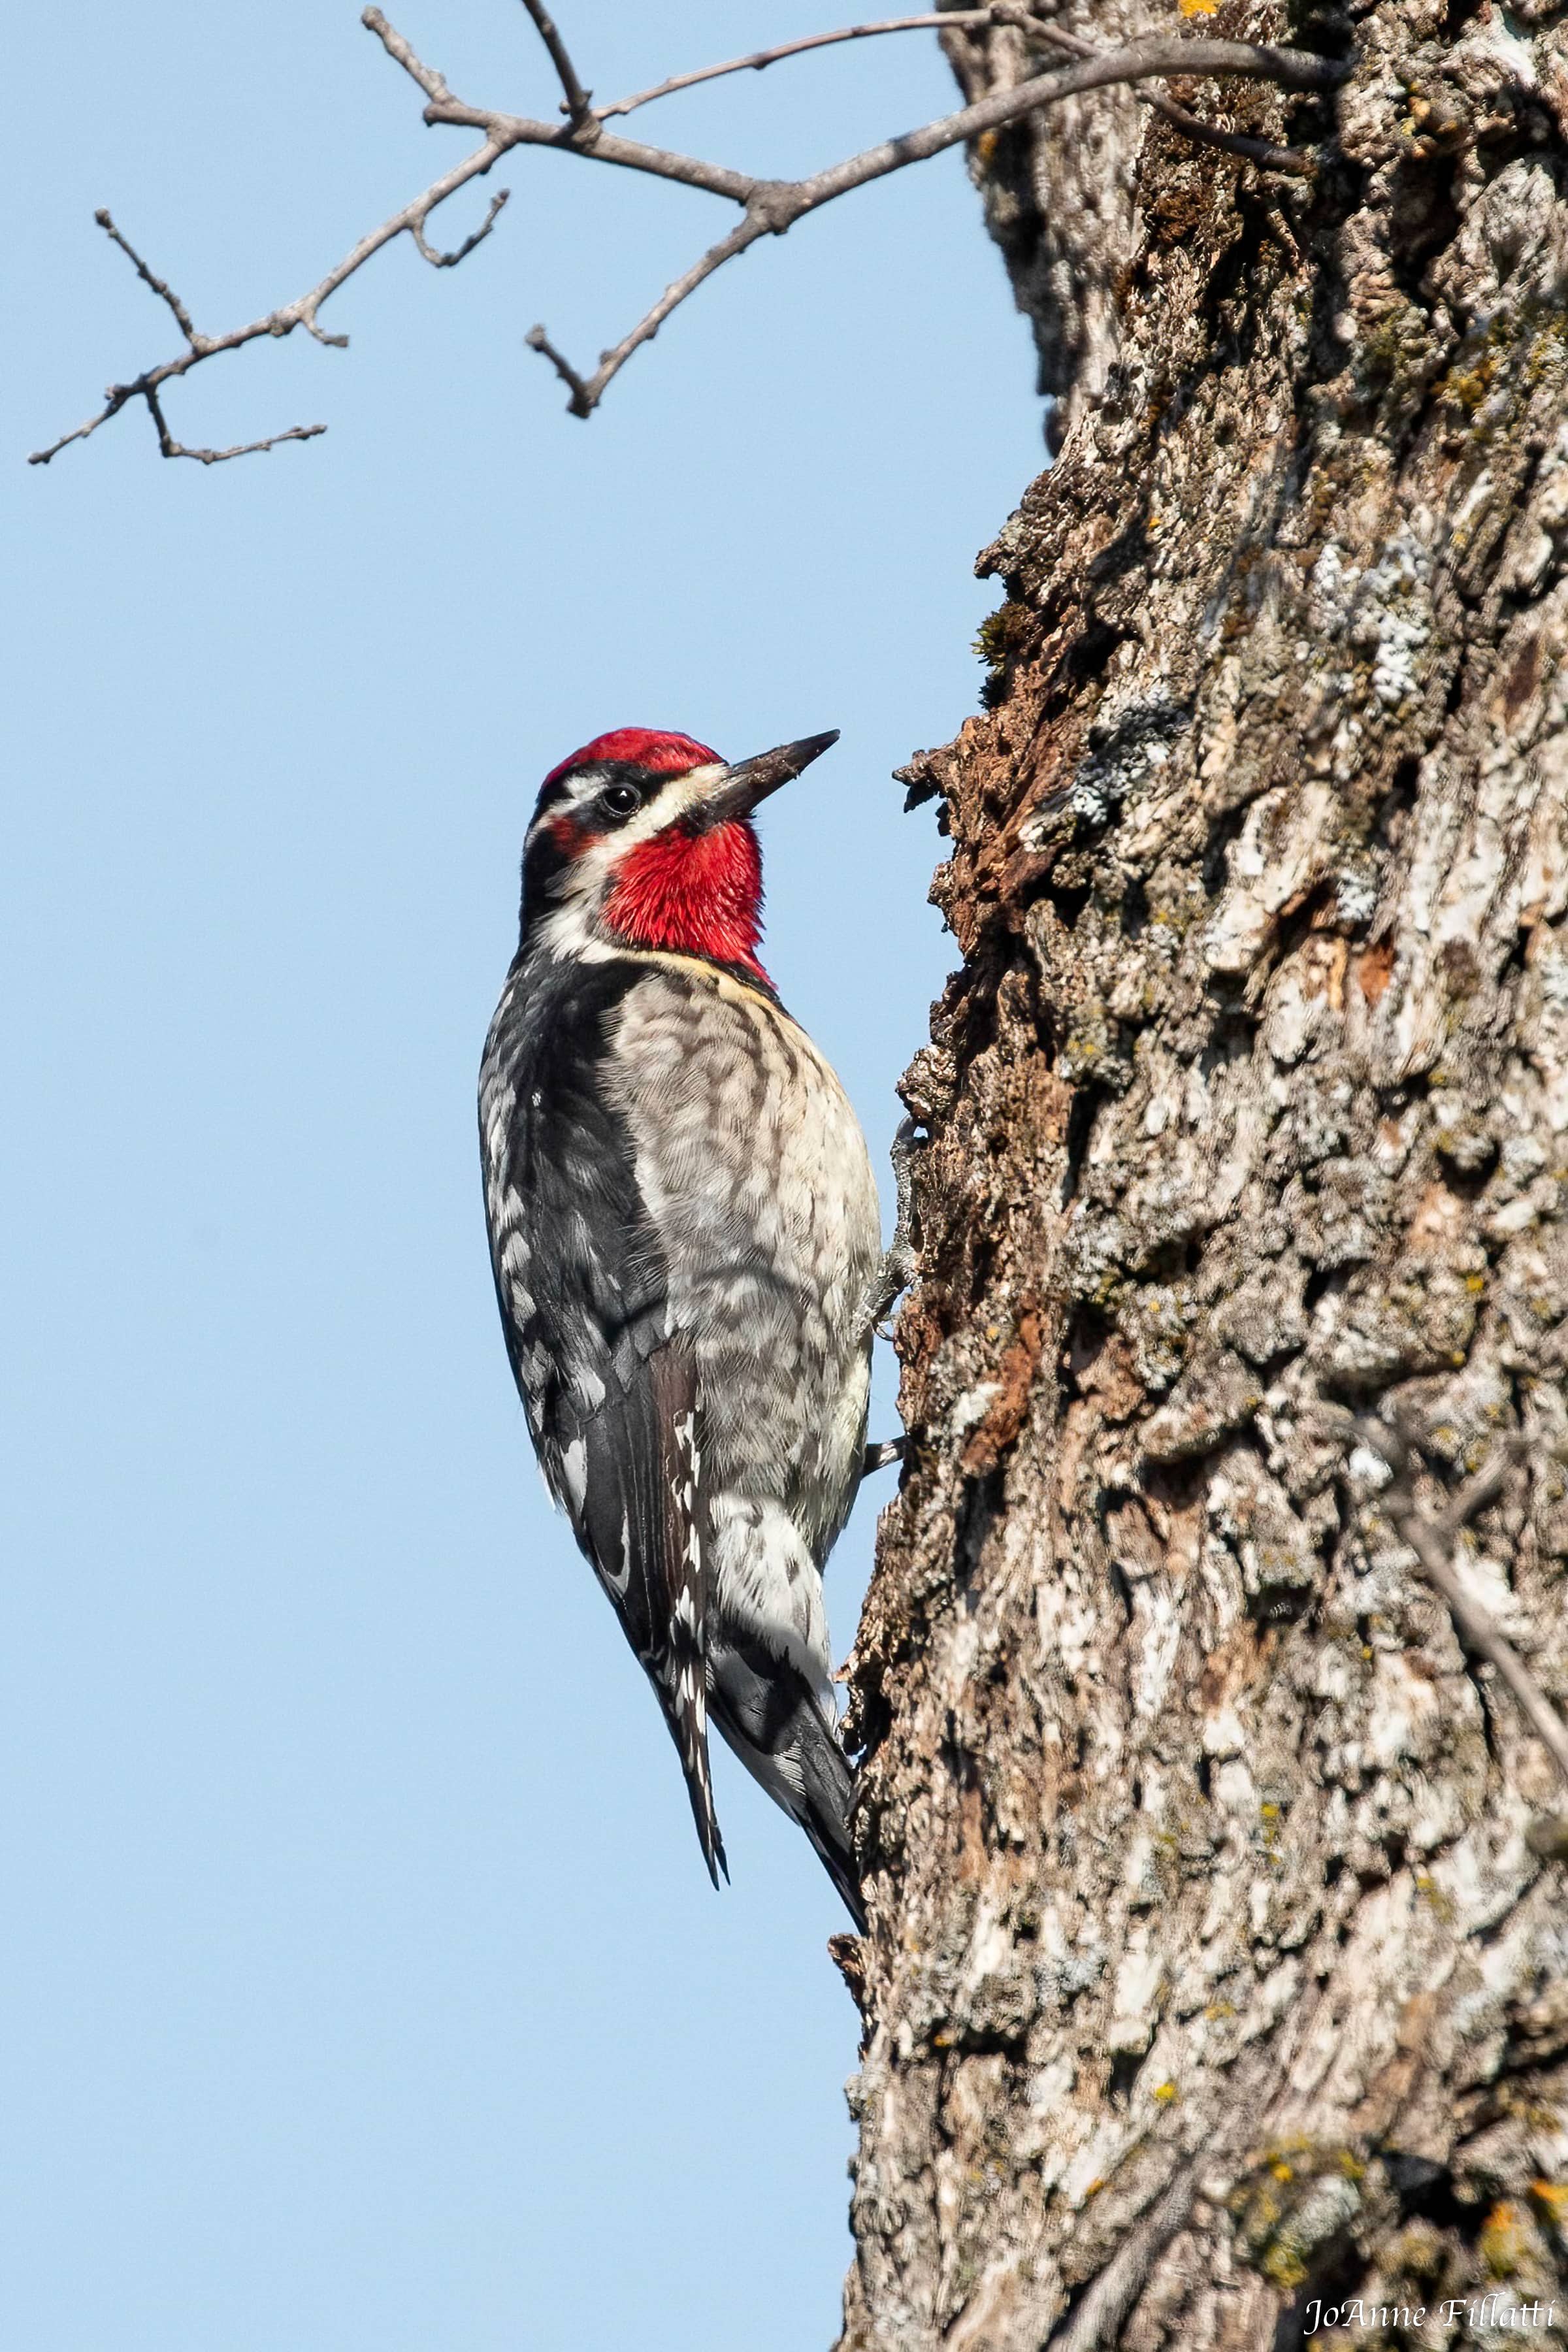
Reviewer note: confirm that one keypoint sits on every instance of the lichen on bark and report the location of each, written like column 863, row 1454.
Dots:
column 1211, row 1971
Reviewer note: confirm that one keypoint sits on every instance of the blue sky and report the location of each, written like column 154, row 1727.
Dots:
column 364, row 1990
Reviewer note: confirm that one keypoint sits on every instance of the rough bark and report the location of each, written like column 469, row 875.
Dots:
column 1059, row 197
column 1211, row 1970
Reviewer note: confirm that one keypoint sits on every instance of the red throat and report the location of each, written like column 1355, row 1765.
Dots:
column 693, row 894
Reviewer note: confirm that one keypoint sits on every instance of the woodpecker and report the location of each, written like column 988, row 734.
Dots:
column 686, row 1240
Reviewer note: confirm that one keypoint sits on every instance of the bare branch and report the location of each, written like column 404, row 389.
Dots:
column 432, row 83
column 580, row 405
column 170, row 447
column 165, row 293
column 769, row 206
column 576, row 106
column 1259, row 152
column 1432, row 1541
column 587, row 393
column 947, row 20
column 1153, row 54
column 450, row 260
column 114, row 400
column 1262, row 153
column 774, row 206
column 283, row 321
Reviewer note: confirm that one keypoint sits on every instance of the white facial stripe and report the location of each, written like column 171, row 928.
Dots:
column 590, row 870
column 681, row 793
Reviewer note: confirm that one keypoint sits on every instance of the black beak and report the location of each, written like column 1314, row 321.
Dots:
column 741, row 788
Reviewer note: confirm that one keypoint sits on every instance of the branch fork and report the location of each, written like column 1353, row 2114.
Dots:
column 769, row 207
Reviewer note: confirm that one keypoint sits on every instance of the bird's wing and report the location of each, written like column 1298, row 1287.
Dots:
column 610, row 1389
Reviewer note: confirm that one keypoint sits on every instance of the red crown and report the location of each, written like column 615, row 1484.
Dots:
column 641, row 747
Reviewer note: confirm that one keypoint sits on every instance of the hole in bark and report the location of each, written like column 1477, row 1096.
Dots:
column 1089, row 657
column 1323, row 1281
column 1134, row 909
column 1225, row 829
column 1070, row 899
column 1205, row 1775
column 1293, row 928
column 1085, row 1104
column 1326, row 26
column 1333, row 1870
column 1469, row 1184
column 1397, row 802
column 1086, row 1337
column 1424, row 2188
column 1126, row 2066
column 1230, row 1039
column 981, row 1502
column 1460, row 13
column 1423, row 218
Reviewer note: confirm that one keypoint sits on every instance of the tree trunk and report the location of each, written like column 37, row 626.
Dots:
column 1213, row 1977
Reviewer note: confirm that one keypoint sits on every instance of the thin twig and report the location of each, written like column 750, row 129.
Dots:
column 775, row 206
column 588, row 392
column 1432, row 1541
column 1259, row 152
column 576, row 98
column 165, row 293
column 947, row 20
column 278, row 323
column 1262, row 153
column 170, row 447
column 461, row 253
column 579, row 405
column 769, row 206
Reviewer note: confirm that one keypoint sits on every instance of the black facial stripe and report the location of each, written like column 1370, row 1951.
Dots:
column 647, row 783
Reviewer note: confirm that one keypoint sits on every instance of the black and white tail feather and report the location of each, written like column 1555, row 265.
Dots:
column 780, row 1730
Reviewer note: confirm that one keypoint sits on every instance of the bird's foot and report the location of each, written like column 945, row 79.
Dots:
column 899, row 1263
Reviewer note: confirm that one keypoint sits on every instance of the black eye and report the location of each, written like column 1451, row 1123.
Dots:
column 619, row 800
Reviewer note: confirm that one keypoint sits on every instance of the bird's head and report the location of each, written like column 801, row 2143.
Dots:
column 645, row 839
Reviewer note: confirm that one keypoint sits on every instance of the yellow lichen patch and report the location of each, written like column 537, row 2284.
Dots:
column 1284, row 2268
column 1197, row 7
column 1504, row 2241
column 1428, row 1891
column 1166, row 2093
column 1550, row 2199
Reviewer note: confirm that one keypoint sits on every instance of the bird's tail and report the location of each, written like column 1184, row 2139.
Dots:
column 775, row 1723
column 678, row 1679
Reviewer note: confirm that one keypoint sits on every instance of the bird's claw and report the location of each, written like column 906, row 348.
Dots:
column 899, row 1262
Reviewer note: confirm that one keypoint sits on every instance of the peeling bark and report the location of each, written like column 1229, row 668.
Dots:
column 1212, row 1973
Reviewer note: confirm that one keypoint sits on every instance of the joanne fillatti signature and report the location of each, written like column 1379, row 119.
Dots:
column 1487, row 2311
